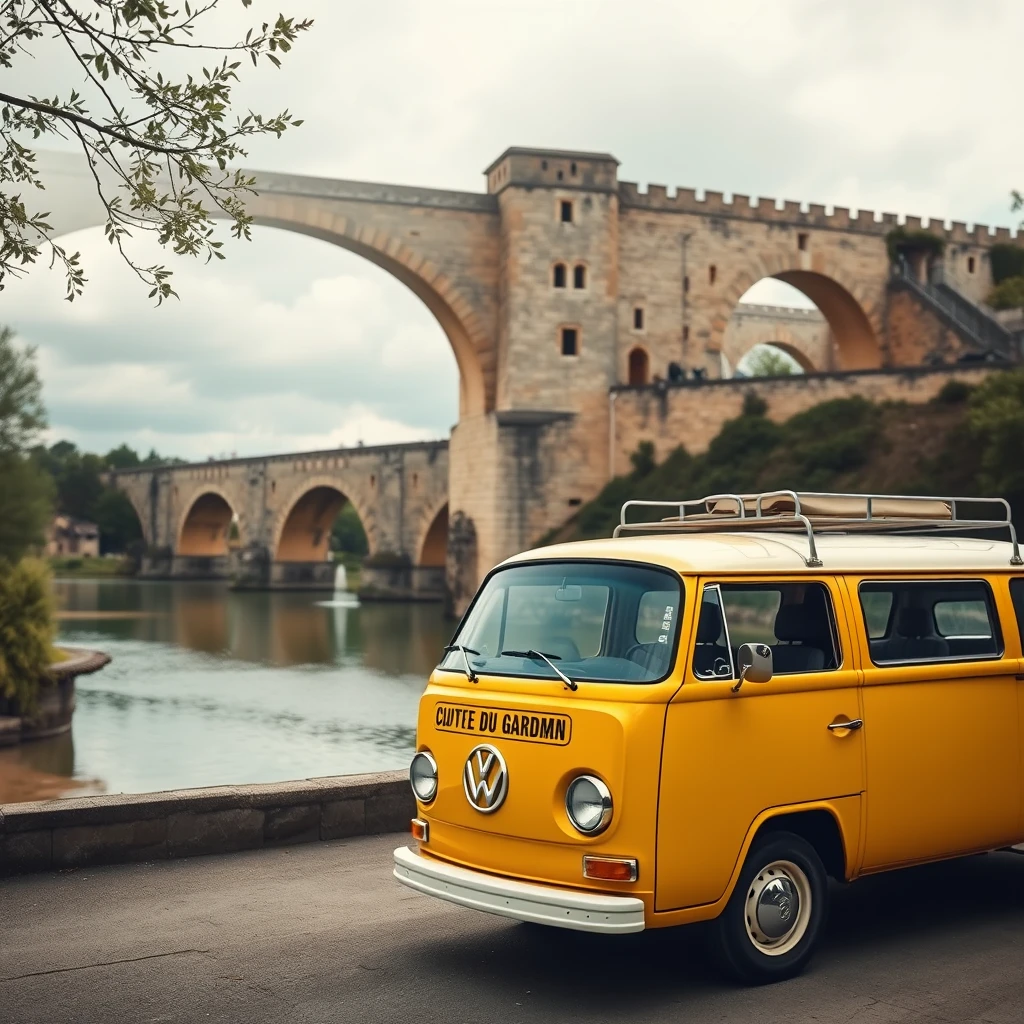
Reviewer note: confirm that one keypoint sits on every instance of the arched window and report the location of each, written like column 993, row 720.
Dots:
column 579, row 276
column 638, row 366
column 559, row 275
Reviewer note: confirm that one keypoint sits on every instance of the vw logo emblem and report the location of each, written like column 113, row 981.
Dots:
column 485, row 779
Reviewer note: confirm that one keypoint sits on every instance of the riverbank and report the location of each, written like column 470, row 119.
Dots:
column 88, row 567
column 47, row 835
column 212, row 687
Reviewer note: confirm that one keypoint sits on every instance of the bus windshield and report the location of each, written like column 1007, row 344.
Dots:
column 591, row 622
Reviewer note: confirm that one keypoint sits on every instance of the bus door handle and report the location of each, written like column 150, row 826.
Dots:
column 850, row 726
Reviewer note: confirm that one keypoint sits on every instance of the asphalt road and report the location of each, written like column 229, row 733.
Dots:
column 323, row 933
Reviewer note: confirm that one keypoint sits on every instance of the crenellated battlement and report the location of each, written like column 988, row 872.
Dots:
column 811, row 215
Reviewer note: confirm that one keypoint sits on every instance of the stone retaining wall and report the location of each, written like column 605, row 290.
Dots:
column 84, row 831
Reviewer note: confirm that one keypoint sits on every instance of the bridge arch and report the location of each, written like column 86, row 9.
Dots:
column 464, row 329
column 851, row 313
column 432, row 547
column 205, row 524
column 302, row 532
column 779, row 338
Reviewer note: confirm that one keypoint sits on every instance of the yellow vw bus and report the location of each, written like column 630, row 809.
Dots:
column 706, row 716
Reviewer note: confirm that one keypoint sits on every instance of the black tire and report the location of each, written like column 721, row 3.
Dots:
column 755, row 956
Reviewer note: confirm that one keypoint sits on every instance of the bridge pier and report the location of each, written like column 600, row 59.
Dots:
column 387, row 580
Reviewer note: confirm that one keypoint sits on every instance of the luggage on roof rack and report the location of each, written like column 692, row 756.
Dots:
column 824, row 512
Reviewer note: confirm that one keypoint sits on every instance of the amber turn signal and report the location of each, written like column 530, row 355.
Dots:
column 611, row 869
column 420, row 830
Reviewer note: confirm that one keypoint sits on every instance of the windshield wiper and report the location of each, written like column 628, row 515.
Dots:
column 541, row 656
column 466, row 652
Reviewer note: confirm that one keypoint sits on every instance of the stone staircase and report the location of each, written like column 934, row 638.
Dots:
column 975, row 324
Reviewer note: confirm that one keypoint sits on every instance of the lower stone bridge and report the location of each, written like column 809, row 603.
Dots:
column 266, row 522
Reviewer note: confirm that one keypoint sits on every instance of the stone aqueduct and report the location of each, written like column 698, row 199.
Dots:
column 267, row 521
column 557, row 288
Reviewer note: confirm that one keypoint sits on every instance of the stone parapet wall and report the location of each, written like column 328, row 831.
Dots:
column 693, row 414
column 816, row 215
column 53, row 834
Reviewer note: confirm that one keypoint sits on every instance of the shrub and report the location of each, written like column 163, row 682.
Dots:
column 1006, row 261
column 754, row 404
column 642, row 460
column 26, row 630
column 997, row 427
column 913, row 240
column 954, row 392
column 1008, row 294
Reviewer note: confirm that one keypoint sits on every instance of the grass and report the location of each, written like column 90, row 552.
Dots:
column 88, row 567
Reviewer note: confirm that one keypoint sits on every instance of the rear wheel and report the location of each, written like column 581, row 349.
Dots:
column 773, row 919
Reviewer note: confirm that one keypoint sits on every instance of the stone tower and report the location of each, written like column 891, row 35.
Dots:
column 557, row 347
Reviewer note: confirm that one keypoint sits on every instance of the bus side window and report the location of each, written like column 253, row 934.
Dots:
column 1017, row 593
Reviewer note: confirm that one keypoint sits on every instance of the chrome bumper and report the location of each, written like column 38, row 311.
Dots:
column 523, row 901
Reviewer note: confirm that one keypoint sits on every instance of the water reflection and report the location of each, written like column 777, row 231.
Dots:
column 208, row 686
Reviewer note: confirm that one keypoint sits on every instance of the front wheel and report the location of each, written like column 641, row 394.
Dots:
column 773, row 919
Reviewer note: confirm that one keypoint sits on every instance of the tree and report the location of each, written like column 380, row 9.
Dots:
column 996, row 420
column 25, row 491
column 119, row 524
column 159, row 144
column 121, row 457
column 348, row 534
column 766, row 361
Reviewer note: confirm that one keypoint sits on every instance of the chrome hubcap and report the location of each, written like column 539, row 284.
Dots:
column 778, row 907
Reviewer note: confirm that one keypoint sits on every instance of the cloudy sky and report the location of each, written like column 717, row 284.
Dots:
column 896, row 105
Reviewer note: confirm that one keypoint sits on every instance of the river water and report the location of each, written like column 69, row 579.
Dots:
column 210, row 687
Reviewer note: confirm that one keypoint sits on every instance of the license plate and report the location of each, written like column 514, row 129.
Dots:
column 504, row 723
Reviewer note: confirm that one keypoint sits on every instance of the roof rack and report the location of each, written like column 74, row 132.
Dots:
column 812, row 512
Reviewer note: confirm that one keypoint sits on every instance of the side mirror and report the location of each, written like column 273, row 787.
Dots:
column 755, row 664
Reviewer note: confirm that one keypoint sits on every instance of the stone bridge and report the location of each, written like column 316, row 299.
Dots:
column 561, row 284
column 283, row 508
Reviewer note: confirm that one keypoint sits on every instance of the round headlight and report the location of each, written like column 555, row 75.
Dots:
column 423, row 776
column 588, row 802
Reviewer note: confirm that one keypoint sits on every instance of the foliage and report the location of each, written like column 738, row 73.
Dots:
column 117, row 520
column 1008, row 294
column 26, row 630
column 81, row 492
column 766, row 361
column 642, row 460
column 25, row 493
column 26, row 496
column 953, row 392
column 21, row 395
column 814, row 449
column 996, row 420
column 158, row 143
column 348, row 534
column 1006, row 261
column 902, row 240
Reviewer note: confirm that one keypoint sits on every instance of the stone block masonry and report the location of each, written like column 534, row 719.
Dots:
column 556, row 286
column 86, row 831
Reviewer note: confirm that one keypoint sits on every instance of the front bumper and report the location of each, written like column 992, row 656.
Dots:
column 523, row 901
